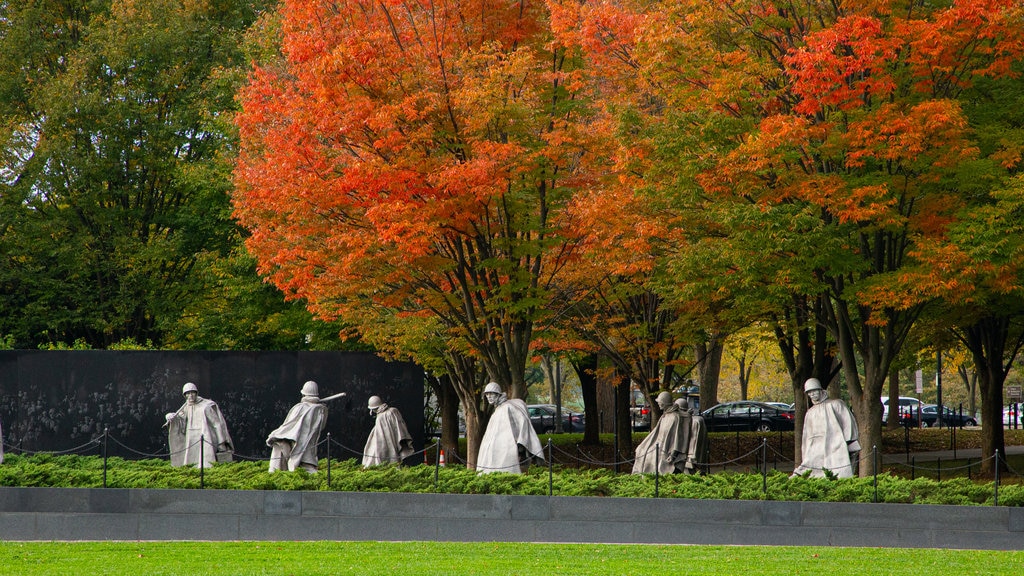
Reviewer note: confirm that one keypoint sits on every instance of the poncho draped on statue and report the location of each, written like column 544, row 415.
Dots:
column 389, row 441
column 830, row 435
column 302, row 427
column 698, row 452
column 507, row 430
column 192, row 422
column 667, row 447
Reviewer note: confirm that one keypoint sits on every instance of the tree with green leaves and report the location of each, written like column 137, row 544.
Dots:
column 115, row 119
column 822, row 142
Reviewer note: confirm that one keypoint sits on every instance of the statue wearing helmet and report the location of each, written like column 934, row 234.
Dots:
column 509, row 442
column 666, row 448
column 830, row 434
column 389, row 441
column 197, row 433
column 293, row 444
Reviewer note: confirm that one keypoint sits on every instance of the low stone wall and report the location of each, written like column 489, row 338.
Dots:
column 141, row 514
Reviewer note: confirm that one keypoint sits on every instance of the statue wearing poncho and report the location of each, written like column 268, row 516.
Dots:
column 389, row 441
column 293, row 443
column 830, row 435
column 509, row 443
column 197, row 432
column 667, row 447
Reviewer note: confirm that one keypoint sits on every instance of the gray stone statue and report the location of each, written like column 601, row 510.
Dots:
column 698, row 447
column 389, row 441
column 197, row 433
column 667, row 446
column 509, row 443
column 829, row 436
column 293, row 443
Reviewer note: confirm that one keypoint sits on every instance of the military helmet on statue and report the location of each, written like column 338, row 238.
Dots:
column 811, row 385
column 310, row 389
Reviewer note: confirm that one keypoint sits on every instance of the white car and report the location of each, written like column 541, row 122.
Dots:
column 907, row 404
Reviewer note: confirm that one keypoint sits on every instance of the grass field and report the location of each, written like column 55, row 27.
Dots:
column 399, row 559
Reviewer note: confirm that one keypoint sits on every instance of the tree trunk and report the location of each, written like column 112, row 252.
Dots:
column 548, row 368
column 869, row 347
column 744, row 373
column 623, row 423
column 709, row 368
column 448, row 401
column 970, row 381
column 468, row 383
column 892, row 419
column 987, row 340
column 805, row 354
column 586, row 371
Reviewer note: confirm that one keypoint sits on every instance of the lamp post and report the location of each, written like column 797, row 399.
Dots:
column 938, row 387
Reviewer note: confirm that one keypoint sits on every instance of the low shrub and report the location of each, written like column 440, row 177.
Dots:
column 348, row 475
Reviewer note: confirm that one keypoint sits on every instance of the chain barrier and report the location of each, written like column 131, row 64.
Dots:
column 580, row 457
column 359, row 455
column 11, row 448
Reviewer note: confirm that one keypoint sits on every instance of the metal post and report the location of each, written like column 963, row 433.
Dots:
column 938, row 385
column 938, row 469
column 615, row 427
column 913, row 468
column 558, row 396
column 874, row 452
column 657, row 476
column 437, row 461
column 550, row 481
column 202, row 461
column 104, row 456
column 328, row 459
column 995, row 486
column 764, row 465
column 906, row 441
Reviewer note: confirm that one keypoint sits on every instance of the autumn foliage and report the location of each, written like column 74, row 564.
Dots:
column 728, row 158
column 410, row 156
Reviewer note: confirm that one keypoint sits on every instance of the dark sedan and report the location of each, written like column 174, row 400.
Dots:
column 747, row 415
column 542, row 417
column 930, row 417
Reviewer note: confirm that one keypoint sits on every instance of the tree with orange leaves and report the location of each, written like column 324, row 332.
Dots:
column 405, row 166
column 821, row 141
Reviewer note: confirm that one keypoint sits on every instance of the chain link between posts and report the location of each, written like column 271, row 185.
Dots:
column 581, row 457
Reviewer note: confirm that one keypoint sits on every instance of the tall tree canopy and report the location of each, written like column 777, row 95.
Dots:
column 408, row 162
column 116, row 159
column 822, row 141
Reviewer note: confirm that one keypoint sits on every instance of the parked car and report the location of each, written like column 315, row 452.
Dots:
column 782, row 405
column 930, row 417
column 748, row 415
column 1009, row 414
column 639, row 411
column 542, row 417
column 907, row 404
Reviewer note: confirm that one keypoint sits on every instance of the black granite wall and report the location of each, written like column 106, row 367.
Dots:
column 60, row 400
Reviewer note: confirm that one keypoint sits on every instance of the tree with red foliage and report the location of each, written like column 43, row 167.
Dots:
column 821, row 142
column 404, row 167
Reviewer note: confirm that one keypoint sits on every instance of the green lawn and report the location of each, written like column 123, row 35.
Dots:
column 399, row 559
